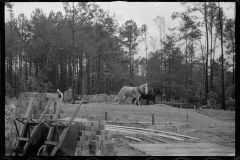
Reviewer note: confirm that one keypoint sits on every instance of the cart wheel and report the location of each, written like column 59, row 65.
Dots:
column 14, row 146
column 41, row 150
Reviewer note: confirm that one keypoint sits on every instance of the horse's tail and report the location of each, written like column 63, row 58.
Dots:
column 117, row 97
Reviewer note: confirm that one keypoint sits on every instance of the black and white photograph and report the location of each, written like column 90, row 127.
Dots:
column 120, row 79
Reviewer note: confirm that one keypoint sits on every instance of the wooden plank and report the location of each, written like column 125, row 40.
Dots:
column 158, row 139
column 24, row 126
column 35, row 130
column 29, row 109
column 163, row 135
column 146, row 139
column 181, row 145
column 133, row 138
column 191, row 153
column 154, row 131
column 185, row 149
column 65, row 131
column 117, row 130
column 123, row 122
column 147, row 133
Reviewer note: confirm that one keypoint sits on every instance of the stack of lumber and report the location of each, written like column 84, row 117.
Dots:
column 94, row 138
column 139, row 122
column 40, row 101
column 148, row 132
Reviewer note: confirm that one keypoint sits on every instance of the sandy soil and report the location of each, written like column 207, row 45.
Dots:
column 214, row 126
column 209, row 125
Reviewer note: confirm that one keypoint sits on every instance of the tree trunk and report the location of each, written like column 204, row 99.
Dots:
column 186, row 94
column 206, row 73
column 81, row 76
column 233, row 68
column 15, row 75
column 92, row 77
column 169, row 79
column 191, row 66
column 222, row 79
column 30, row 72
column 130, row 74
column 87, row 74
column 165, row 81
column 233, row 52
column 73, row 52
column 211, row 62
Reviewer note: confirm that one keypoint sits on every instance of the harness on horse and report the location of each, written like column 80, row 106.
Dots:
column 138, row 89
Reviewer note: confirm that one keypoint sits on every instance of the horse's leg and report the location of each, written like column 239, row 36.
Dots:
column 124, row 98
column 133, row 100
column 138, row 102
column 147, row 101
column 154, row 101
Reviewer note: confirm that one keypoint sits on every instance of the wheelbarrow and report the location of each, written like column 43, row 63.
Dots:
column 31, row 135
column 62, row 137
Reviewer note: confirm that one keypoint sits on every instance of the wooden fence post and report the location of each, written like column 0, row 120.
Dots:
column 106, row 116
column 153, row 122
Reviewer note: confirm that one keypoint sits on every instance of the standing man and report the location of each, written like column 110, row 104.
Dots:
column 60, row 95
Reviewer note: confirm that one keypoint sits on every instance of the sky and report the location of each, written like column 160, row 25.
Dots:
column 140, row 12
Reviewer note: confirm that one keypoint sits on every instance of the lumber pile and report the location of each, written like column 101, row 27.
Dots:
column 94, row 138
column 148, row 132
column 139, row 122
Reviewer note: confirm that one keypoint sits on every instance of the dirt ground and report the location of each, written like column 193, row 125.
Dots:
column 209, row 125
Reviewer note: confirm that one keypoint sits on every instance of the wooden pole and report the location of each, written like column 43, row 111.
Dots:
column 106, row 116
column 153, row 119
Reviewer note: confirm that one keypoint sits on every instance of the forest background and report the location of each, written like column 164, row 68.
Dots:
column 86, row 49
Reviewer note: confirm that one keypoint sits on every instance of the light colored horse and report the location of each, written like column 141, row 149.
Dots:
column 136, row 92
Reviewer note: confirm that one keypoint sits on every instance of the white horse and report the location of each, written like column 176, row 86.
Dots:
column 136, row 92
